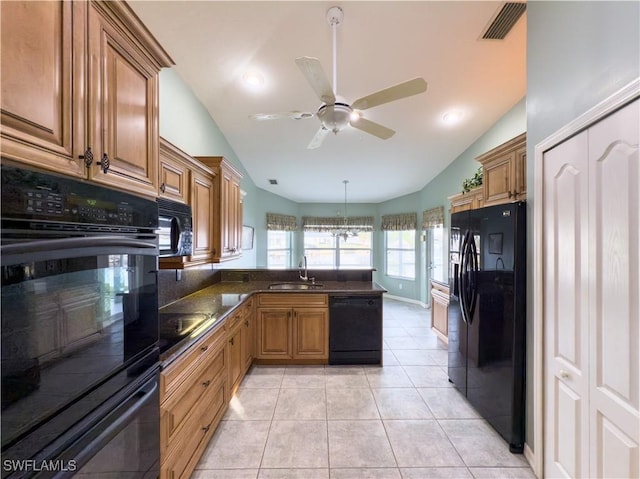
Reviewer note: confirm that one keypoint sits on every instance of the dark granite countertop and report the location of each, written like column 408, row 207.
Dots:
column 215, row 302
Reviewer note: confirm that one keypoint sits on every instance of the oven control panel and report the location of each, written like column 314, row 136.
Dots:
column 28, row 195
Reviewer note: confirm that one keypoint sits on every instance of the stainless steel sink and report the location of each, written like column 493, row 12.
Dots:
column 296, row 286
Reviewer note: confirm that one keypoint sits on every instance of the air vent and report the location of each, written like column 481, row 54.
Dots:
column 504, row 21
column 273, row 182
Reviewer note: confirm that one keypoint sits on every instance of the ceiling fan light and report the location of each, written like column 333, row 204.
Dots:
column 354, row 116
column 335, row 117
column 253, row 79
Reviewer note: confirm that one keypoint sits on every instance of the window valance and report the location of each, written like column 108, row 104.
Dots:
column 276, row 222
column 433, row 217
column 400, row 222
column 331, row 223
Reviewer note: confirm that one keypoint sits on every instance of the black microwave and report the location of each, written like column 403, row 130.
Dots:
column 175, row 233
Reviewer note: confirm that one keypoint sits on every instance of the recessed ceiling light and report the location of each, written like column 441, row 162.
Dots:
column 452, row 117
column 253, row 79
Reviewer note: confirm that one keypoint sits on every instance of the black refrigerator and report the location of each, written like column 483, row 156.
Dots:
column 487, row 314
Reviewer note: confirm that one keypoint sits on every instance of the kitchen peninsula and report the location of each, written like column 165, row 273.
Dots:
column 210, row 338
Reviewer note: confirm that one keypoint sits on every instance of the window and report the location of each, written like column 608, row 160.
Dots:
column 325, row 251
column 401, row 253
column 278, row 249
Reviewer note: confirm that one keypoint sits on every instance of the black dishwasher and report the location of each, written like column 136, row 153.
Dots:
column 355, row 329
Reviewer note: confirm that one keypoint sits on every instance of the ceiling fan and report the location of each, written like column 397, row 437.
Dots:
column 335, row 113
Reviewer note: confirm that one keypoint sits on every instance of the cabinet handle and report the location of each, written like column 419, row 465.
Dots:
column 246, row 323
column 104, row 163
column 206, row 428
column 513, row 194
column 204, row 348
column 87, row 157
column 231, row 341
column 163, row 187
column 564, row 374
column 206, row 383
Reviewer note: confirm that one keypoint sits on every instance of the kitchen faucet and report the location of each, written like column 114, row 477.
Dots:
column 303, row 265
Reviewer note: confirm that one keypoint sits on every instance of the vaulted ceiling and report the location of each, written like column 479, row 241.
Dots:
column 379, row 44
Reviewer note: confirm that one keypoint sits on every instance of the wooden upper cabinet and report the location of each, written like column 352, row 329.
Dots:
column 469, row 200
column 203, row 197
column 228, row 227
column 504, row 172
column 43, row 84
column 123, row 119
column 81, row 77
column 173, row 169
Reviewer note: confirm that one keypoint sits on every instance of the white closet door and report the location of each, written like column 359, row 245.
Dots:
column 566, row 335
column 614, row 298
column 591, row 264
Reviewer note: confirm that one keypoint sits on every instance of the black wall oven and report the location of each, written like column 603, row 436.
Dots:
column 79, row 349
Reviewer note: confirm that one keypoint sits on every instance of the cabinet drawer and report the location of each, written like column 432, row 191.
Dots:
column 293, row 299
column 179, row 371
column 176, row 410
column 187, row 447
column 234, row 320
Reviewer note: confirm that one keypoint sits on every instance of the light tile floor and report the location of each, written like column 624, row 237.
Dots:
column 400, row 421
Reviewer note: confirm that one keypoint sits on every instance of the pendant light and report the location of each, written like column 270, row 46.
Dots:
column 345, row 232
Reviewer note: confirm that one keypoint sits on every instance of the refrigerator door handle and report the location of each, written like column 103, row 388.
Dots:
column 462, row 277
column 473, row 284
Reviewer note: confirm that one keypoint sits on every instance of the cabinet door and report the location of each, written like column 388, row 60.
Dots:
column 440, row 310
column 520, row 176
column 174, row 179
column 42, row 96
column 203, row 214
column 310, row 333
column 230, row 214
column 236, row 358
column 273, row 329
column 498, row 178
column 123, row 109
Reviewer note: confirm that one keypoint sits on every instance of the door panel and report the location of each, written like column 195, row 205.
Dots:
column 566, row 272
column 615, row 305
column 591, row 267
column 567, row 452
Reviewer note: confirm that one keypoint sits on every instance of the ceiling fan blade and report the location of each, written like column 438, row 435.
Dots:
column 402, row 90
column 312, row 70
column 317, row 140
column 296, row 115
column 373, row 128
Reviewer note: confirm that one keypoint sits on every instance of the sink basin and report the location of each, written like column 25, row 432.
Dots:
column 295, row 286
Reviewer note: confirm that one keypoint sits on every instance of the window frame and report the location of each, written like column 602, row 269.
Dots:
column 400, row 250
column 336, row 249
column 288, row 250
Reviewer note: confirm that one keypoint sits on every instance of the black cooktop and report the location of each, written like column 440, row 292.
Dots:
column 174, row 327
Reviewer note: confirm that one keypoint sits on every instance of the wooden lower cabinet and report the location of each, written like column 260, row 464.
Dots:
column 292, row 327
column 440, row 309
column 193, row 398
column 240, row 339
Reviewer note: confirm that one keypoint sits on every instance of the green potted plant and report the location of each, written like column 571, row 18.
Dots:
column 473, row 182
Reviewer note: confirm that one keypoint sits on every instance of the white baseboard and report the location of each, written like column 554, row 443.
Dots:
column 531, row 458
column 406, row 300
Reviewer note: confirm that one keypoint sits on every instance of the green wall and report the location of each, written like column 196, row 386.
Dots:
column 578, row 54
